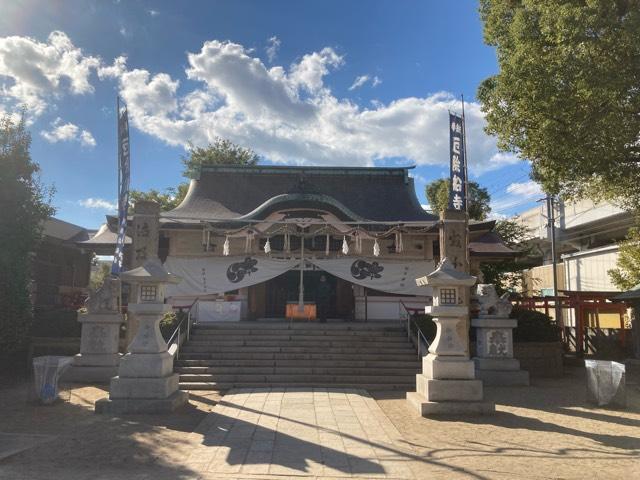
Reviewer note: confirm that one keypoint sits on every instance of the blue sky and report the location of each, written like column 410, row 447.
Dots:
column 316, row 82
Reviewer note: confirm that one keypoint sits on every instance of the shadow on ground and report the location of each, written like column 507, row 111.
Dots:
column 78, row 442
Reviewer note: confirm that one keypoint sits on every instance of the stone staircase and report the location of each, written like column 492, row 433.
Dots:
column 371, row 356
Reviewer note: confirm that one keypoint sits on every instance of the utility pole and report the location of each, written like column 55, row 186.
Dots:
column 551, row 219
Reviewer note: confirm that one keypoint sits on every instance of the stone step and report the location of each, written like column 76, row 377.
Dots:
column 283, row 336
column 285, row 342
column 221, row 386
column 356, row 326
column 286, row 378
column 300, row 370
column 216, row 333
column 408, row 355
column 240, row 349
column 355, row 363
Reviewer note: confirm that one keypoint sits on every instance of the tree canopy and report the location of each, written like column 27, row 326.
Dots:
column 168, row 200
column 567, row 93
column 627, row 274
column 478, row 198
column 25, row 206
column 220, row 152
column 508, row 275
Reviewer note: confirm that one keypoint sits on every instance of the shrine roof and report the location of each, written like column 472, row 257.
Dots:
column 226, row 192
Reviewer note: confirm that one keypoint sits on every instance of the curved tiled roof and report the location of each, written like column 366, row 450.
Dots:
column 353, row 193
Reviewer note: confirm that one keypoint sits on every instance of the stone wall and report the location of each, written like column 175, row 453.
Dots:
column 540, row 359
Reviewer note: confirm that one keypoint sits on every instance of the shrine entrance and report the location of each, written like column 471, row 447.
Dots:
column 284, row 289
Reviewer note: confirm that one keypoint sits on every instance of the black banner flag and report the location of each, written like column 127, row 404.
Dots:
column 457, row 164
column 123, row 186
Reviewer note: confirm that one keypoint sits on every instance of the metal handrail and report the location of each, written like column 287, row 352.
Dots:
column 177, row 333
column 419, row 335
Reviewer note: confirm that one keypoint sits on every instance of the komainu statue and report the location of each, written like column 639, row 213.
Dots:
column 489, row 303
column 105, row 299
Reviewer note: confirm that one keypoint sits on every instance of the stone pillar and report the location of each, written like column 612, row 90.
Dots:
column 454, row 245
column 448, row 385
column 146, row 382
column 99, row 340
column 454, row 239
column 145, row 237
column 494, row 360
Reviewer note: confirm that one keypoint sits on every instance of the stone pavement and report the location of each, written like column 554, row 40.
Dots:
column 547, row 430
column 292, row 432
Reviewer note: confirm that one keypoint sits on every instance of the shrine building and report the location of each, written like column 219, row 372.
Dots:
column 252, row 243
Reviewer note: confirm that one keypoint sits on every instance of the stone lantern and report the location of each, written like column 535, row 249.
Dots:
column 448, row 385
column 146, row 382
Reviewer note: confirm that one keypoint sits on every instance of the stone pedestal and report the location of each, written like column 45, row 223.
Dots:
column 146, row 382
column 98, row 359
column 494, row 360
column 447, row 384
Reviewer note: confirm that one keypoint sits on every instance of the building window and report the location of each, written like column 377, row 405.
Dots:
column 448, row 296
column 148, row 293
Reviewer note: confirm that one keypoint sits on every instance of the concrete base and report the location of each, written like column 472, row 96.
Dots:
column 89, row 374
column 121, row 406
column 450, row 367
column 143, row 388
column 504, row 377
column 425, row 407
column 449, row 390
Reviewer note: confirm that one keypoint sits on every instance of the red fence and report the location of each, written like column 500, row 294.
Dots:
column 579, row 317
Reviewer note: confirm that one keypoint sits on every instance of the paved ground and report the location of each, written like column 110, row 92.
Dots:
column 325, row 433
column 543, row 431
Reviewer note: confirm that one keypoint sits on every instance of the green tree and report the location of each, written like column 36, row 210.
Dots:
column 221, row 152
column 478, row 198
column 627, row 273
column 98, row 275
column 170, row 199
column 507, row 275
column 566, row 96
column 25, row 206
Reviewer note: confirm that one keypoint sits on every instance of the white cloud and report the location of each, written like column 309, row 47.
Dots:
column 517, row 195
column 32, row 72
column 272, row 48
column 290, row 115
column 526, row 189
column 359, row 81
column 68, row 132
column 362, row 79
column 98, row 204
column 153, row 13
column 287, row 114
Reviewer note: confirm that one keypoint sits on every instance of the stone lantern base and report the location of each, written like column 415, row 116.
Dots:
column 494, row 362
column 448, row 387
column 119, row 406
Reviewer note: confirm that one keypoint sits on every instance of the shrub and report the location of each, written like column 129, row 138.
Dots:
column 534, row 326
column 170, row 322
column 426, row 325
column 59, row 322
